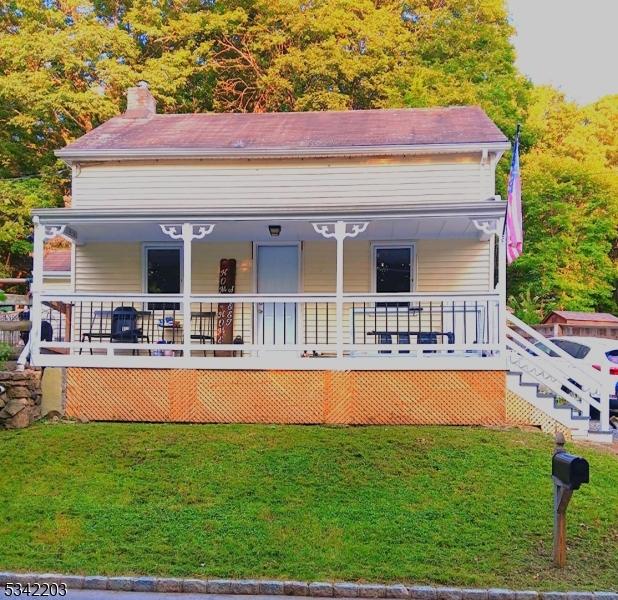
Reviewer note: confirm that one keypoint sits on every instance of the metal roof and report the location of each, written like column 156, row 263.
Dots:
column 583, row 316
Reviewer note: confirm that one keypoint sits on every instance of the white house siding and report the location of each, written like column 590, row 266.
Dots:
column 453, row 266
column 311, row 183
column 57, row 283
column 441, row 266
column 205, row 267
column 108, row 267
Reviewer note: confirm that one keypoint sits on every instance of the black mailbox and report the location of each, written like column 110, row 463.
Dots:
column 570, row 470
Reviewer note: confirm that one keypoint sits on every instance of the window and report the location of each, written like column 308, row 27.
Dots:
column 612, row 356
column 163, row 274
column 572, row 348
column 393, row 269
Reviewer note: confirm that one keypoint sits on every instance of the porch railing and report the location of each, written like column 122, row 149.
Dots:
column 272, row 331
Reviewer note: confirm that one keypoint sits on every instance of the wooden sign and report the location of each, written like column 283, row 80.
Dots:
column 225, row 312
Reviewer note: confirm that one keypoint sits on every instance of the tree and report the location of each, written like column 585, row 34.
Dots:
column 65, row 66
column 18, row 198
column 570, row 202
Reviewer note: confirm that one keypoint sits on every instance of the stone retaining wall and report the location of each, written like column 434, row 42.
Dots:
column 20, row 398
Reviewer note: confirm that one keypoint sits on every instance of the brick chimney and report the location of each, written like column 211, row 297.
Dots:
column 140, row 102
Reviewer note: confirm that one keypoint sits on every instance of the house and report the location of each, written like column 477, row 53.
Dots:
column 57, row 269
column 566, row 322
column 319, row 267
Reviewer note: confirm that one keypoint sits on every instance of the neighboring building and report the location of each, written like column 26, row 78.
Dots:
column 57, row 269
column 584, row 324
column 333, row 267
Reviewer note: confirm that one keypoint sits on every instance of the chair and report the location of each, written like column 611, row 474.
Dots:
column 387, row 338
column 124, row 327
column 427, row 337
column 203, row 327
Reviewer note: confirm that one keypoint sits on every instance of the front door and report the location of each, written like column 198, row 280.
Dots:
column 277, row 273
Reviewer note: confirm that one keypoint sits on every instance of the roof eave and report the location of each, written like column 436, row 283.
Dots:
column 491, row 209
column 81, row 155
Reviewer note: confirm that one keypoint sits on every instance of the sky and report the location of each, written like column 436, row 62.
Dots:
column 571, row 44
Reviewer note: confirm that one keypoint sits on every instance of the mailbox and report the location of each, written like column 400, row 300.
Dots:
column 570, row 470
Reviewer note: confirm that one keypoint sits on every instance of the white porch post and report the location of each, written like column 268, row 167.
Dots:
column 187, row 232
column 36, row 288
column 488, row 228
column 340, row 237
column 339, row 231
column 40, row 234
column 187, row 239
column 502, row 286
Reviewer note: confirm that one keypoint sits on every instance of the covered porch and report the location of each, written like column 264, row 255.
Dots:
column 414, row 290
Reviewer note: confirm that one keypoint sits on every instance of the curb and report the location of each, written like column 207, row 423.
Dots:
column 315, row 589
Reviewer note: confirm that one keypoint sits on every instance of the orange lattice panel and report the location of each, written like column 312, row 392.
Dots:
column 351, row 397
column 118, row 394
column 260, row 396
column 429, row 397
column 521, row 412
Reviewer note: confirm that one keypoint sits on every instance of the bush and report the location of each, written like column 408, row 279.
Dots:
column 5, row 354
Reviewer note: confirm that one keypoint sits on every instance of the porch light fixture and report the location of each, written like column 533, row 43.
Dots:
column 274, row 230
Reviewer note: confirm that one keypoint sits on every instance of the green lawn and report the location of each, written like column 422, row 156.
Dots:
column 435, row 505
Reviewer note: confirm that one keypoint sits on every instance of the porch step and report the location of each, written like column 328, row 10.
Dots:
column 602, row 437
column 540, row 381
column 519, row 383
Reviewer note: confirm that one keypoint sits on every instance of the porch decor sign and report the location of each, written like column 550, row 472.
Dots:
column 225, row 311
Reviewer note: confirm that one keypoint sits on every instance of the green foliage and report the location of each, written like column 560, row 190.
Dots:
column 65, row 65
column 5, row 349
column 570, row 203
column 17, row 199
column 527, row 307
column 5, row 354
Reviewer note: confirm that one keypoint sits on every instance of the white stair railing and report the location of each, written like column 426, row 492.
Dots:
column 580, row 386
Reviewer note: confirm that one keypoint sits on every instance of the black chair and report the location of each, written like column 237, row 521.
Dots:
column 387, row 338
column 427, row 337
column 124, row 327
column 203, row 327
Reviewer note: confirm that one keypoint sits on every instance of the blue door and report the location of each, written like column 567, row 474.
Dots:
column 277, row 273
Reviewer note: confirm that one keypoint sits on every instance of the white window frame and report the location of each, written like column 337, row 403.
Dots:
column 160, row 246
column 394, row 244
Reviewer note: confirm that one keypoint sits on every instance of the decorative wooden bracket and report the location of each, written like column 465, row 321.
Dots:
column 487, row 228
column 52, row 231
column 195, row 232
column 339, row 229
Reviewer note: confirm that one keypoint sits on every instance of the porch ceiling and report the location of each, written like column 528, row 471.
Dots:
column 424, row 223
column 233, row 231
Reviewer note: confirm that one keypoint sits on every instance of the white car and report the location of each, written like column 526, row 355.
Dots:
column 600, row 353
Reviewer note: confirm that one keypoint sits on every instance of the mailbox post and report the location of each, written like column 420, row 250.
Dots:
column 568, row 474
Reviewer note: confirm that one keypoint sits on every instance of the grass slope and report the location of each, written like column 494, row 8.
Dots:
column 428, row 504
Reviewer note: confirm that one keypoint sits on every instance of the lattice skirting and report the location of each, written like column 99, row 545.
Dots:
column 352, row 397
column 521, row 412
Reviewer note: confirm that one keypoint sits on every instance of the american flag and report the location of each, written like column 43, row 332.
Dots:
column 514, row 224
